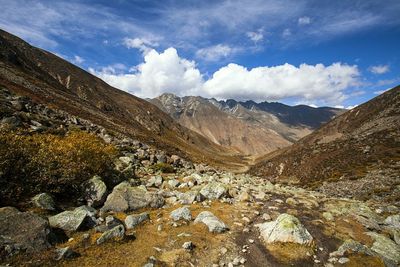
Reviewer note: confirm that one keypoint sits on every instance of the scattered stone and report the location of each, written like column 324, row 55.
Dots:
column 214, row 190
column 291, row 201
column 131, row 221
column 116, row 233
column 44, row 201
column 155, row 181
column 266, row 217
column 70, row 220
column 213, row 223
column 393, row 221
column 188, row 245
column 66, row 253
column 173, row 183
column 343, row 260
column 129, row 198
column 95, row 191
column 182, row 213
column 286, row 228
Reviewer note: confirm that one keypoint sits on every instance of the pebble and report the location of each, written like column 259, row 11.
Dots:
column 251, row 241
column 343, row 260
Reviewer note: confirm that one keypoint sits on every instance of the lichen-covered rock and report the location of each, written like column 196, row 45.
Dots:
column 72, row 220
column 214, row 190
column 44, row 201
column 125, row 197
column 211, row 221
column 155, row 181
column 131, row 221
column 66, row 253
column 189, row 197
column 182, row 213
column 95, row 191
column 116, row 233
column 385, row 247
column 22, row 231
column 286, row 228
column 393, row 221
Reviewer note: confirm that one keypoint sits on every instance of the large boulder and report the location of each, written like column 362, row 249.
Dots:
column 214, row 190
column 286, row 228
column 95, row 191
column 125, row 197
column 385, row 247
column 73, row 220
column 22, row 231
column 211, row 221
column 44, row 201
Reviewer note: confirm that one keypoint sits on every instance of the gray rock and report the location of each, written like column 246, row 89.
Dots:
column 393, row 221
column 351, row 245
column 286, row 228
column 182, row 213
column 125, row 166
column 211, row 221
column 385, row 247
column 22, row 231
column 214, row 190
column 129, row 198
column 189, row 197
column 95, row 191
column 116, row 233
column 44, row 201
column 155, row 181
column 173, row 183
column 66, row 253
column 188, row 245
column 131, row 221
column 71, row 220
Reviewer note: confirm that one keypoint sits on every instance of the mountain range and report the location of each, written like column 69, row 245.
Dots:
column 251, row 128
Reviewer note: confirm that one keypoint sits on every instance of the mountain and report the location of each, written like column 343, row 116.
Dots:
column 249, row 127
column 50, row 80
column 352, row 150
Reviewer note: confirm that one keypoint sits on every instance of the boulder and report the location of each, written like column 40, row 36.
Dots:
column 44, row 201
column 22, row 231
column 286, row 228
column 131, row 221
column 116, row 233
column 95, row 191
column 173, row 183
column 211, row 221
column 393, row 221
column 155, row 181
column 73, row 220
column 182, row 213
column 125, row 197
column 385, row 247
column 214, row 190
column 189, row 197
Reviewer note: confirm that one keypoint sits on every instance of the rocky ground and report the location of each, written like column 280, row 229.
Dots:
column 171, row 212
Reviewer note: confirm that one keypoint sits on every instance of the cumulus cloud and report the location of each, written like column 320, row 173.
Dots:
column 145, row 45
column 256, row 36
column 286, row 33
column 159, row 73
column 304, row 20
column 215, row 52
column 307, row 82
column 168, row 72
column 379, row 69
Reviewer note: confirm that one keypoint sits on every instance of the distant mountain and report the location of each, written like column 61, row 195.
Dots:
column 363, row 142
column 249, row 127
column 47, row 79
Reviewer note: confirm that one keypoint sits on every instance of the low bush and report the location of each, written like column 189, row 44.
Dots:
column 33, row 163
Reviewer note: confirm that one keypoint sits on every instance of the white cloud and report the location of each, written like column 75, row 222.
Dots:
column 145, row 45
column 304, row 20
column 159, row 73
column 215, row 52
column 168, row 72
column 256, row 36
column 77, row 60
column 286, row 33
column 309, row 82
column 351, row 107
column 379, row 69
column 381, row 91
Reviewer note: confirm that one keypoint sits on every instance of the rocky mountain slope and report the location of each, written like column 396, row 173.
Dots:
column 249, row 127
column 50, row 80
column 350, row 152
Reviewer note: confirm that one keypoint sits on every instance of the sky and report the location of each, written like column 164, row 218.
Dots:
column 314, row 52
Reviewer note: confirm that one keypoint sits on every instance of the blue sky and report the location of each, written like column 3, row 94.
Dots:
column 338, row 53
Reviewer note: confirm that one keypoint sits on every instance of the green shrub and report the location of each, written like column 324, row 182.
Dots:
column 163, row 167
column 33, row 163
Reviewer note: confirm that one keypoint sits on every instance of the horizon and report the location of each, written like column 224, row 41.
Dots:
column 299, row 52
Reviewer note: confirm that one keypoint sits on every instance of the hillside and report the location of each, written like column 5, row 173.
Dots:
column 249, row 127
column 50, row 80
column 347, row 151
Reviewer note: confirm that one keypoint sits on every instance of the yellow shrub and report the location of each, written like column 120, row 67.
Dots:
column 50, row 163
